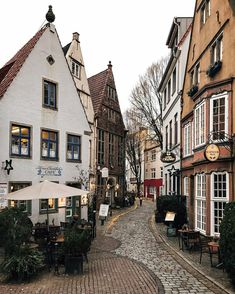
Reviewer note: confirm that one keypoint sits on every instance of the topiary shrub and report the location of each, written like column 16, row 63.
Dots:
column 227, row 240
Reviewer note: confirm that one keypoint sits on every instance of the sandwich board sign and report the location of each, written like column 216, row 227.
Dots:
column 104, row 209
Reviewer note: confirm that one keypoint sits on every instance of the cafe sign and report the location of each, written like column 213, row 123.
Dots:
column 212, row 152
column 168, row 157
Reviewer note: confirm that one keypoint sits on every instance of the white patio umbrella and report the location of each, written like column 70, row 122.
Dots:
column 45, row 190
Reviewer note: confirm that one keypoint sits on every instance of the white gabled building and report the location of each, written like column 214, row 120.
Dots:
column 171, row 90
column 43, row 126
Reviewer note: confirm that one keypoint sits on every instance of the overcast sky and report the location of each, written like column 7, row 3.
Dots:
column 130, row 33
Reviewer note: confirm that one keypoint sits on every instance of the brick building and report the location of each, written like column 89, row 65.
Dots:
column 208, row 123
column 109, row 136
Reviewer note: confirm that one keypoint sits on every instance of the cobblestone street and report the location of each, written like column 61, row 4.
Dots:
column 130, row 258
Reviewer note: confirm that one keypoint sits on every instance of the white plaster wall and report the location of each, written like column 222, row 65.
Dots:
column 22, row 103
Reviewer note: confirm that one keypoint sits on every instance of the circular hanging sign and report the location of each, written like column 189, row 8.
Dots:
column 212, row 152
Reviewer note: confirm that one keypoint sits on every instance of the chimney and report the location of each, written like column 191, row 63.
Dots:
column 110, row 65
column 76, row 36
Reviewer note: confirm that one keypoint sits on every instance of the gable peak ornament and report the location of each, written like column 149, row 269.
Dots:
column 50, row 17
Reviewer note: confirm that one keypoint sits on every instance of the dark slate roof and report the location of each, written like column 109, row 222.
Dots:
column 66, row 48
column 97, row 85
column 9, row 71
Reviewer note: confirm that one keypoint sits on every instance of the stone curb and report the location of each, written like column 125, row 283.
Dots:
column 152, row 224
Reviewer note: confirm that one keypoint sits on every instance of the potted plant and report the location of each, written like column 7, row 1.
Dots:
column 77, row 243
column 193, row 90
column 20, row 261
column 213, row 69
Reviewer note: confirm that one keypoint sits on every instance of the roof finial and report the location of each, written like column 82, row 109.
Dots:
column 50, row 17
column 110, row 64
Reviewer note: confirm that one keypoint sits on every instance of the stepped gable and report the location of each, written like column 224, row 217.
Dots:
column 9, row 71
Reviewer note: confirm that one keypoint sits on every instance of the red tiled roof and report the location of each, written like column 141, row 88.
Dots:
column 9, row 71
column 97, row 85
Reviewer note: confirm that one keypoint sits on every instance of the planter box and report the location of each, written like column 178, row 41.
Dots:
column 73, row 264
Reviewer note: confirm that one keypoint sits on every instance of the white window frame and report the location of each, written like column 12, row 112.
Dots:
column 216, row 97
column 187, row 140
column 200, row 198
column 218, row 200
column 199, row 124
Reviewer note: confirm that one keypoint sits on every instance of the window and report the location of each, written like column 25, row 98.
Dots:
column 186, row 193
column 170, row 134
column 49, row 99
column 199, row 115
column 217, row 50
column 153, row 173
column 120, row 151
column 26, row 206
column 186, row 186
column 195, row 75
column 73, row 147
column 111, row 115
column 219, row 116
column 100, row 146
column 201, row 202
column 174, row 81
column 153, row 154
column 187, row 140
column 76, row 69
column 111, row 149
column 112, row 93
column 161, row 172
column 176, row 128
column 49, row 205
column 166, row 134
column 168, row 91
column 205, row 11
column 147, row 156
column 219, row 197
column 164, row 99
column 20, row 140
column 49, row 149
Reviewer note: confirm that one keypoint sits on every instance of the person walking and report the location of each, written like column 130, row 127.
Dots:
column 141, row 200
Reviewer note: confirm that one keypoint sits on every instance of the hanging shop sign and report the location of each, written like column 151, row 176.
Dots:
column 168, row 157
column 212, row 152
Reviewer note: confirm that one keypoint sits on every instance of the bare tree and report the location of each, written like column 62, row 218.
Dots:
column 134, row 146
column 146, row 101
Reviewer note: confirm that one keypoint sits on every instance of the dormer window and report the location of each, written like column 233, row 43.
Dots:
column 205, row 11
column 76, row 69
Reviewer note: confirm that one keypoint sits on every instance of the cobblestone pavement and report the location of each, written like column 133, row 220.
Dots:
column 141, row 242
column 129, row 255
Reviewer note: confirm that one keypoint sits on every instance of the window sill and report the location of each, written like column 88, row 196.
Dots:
column 21, row 156
column 49, row 159
column 73, row 160
column 50, row 107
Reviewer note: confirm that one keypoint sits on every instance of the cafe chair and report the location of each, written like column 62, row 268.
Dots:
column 204, row 248
column 193, row 240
